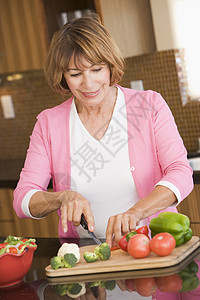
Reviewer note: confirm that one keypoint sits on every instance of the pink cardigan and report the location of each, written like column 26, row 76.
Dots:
column 156, row 150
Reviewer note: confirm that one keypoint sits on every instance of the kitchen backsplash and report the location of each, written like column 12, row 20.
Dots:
column 160, row 71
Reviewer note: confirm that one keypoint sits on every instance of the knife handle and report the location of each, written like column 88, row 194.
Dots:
column 83, row 222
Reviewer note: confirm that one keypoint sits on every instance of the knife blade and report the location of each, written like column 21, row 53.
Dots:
column 84, row 224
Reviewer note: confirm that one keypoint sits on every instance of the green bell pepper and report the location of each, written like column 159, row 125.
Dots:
column 176, row 224
column 190, row 281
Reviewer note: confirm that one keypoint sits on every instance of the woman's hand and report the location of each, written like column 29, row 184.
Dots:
column 121, row 224
column 73, row 205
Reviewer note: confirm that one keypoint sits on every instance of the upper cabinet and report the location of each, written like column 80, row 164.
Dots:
column 27, row 26
column 23, row 35
column 130, row 23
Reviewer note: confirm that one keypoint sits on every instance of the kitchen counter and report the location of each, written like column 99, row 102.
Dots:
column 38, row 286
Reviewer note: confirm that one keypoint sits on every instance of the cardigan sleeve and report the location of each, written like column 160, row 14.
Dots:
column 36, row 172
column 171, row 152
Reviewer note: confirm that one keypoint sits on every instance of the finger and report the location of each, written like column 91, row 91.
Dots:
column 110, row 231
column 77, row 213
column 118, row 228
column 125, row 224
column 70, row 209
column 132, row 223
column 102, row 293
column 64, row 217
column 121, row 285
column 89, row 217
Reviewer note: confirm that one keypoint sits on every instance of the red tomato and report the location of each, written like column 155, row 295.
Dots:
column 162, row 244
column 129, row 283
column 123, row 243
column 13, row 250
column 143, row 230
column 145, row 286
column 24, row 240
column 138, row 246
column 21, row 246
column 171, row 283
column 2, row 245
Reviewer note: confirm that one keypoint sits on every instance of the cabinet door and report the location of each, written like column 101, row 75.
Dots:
column 130, row 23
column 45, row 227
column 7, row 222
column 190, row 205
column 23, row 35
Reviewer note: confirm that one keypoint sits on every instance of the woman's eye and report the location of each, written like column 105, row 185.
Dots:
column 97, row 70
column 75, row 75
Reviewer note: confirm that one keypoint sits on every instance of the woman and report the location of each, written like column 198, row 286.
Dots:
column 114, row 154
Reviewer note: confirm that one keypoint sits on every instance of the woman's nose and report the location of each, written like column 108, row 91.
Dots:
column 87, row 81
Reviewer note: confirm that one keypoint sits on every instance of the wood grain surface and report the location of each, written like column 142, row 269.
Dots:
column 121, row 261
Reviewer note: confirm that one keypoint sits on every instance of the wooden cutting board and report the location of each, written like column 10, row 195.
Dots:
column 122, row 261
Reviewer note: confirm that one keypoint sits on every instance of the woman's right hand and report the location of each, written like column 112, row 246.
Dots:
column 73, row 205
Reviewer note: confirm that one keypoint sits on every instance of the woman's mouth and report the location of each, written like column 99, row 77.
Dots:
column 90, row 94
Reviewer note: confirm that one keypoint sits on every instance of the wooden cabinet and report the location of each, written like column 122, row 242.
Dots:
column 27, row 26
column 130, row 24
column 190, row 207
column 11, row 224
column 23, row 35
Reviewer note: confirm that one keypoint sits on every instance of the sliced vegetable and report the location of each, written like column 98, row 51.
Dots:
column 13, row 250
column 103, row 251
column 130, row 234
column 16, row 245
column 90, row 256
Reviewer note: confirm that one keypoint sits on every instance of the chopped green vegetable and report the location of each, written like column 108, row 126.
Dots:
column 130, row 234
column 57, row 262
column 70, row 260
column 103, row 250
column 74, row 288
column 94, row 283
column 2, row 251
column 108, row 285
column 90, row 256
column 61, row 289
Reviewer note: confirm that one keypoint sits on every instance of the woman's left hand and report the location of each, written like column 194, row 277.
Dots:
column 121, row 224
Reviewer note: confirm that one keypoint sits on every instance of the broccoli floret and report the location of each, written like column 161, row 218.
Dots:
column 108, row 285
column 75, row 290
column 70, row 260
column 103, row 251
column 61, row 289
column 90, row 256
column 94, row 283
column 57, row 262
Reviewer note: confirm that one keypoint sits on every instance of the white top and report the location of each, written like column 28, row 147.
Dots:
column 100, row 170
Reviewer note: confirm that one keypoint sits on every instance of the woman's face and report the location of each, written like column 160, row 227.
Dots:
column 89, row 83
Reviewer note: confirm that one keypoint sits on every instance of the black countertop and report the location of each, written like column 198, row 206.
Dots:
column 36, row 285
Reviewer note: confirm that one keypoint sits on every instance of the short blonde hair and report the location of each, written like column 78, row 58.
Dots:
column 85, row 38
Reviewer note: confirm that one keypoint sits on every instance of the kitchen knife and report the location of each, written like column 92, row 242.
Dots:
column 84, row 224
